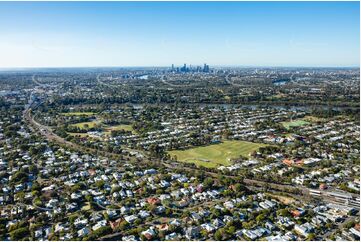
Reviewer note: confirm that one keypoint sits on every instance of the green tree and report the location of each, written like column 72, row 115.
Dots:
column 19, row 234
column 102, row 231
column 218, row 235
column 311, row 237
column 208, row 182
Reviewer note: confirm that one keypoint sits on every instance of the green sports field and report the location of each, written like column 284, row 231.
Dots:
column 217, row 154
column 296, row 123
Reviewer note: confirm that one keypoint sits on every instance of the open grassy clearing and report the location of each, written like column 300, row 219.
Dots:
column 81, row 135
column 313, row 119
column 86, row 207
column 275, row 96
column 86, row 125
column 125, row 127
column 217, row 154
column 296, row 123
column 78, row 114
column 283, row 199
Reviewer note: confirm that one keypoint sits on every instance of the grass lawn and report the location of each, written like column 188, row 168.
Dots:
column 275, row 96
column 78, row 114
column 217, row 154
column 90, row 124
column 86, row 207
column 283, row 199
column 295, row 123
column 79, row 134
column 313, row 119
column 126, row 127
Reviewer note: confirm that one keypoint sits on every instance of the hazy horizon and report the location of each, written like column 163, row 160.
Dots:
column 169, row 66
column 158, row 34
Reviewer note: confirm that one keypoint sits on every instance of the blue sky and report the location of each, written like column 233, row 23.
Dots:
column 75, row 34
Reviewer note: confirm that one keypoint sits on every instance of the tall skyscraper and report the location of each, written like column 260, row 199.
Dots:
column 206, row 68
column 184, row 68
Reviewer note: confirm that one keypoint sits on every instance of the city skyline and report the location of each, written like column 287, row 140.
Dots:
column 126, row 34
